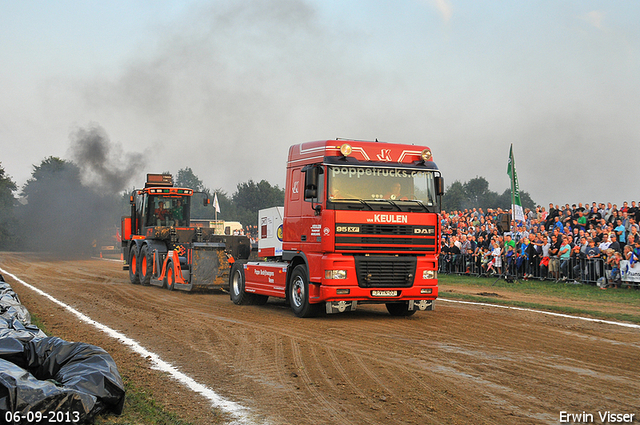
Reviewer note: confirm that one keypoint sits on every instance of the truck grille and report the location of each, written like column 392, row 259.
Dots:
column 383, row 271
column 385, row 237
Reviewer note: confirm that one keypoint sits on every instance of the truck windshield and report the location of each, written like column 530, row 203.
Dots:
column 168, row 211
column 347, row 183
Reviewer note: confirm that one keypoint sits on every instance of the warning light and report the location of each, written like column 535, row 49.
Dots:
column 345, row 149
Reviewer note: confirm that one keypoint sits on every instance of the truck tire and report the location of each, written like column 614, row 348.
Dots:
column 236, row 286
column 399, row 309
column 170, row 277
column 134, row 276
column 146, row 265
column 298, row 292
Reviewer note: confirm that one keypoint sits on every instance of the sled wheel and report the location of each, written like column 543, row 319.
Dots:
column 134, row 276
column 146, row 265
column 170, row 278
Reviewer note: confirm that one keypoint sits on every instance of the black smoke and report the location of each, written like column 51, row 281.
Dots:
column 73, row 207
column 103, row 164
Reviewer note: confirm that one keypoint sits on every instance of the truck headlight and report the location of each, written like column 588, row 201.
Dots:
column 429, row 274
column 335, row 274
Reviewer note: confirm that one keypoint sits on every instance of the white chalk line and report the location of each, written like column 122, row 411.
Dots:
column 239, row 412
column 549, row 313
column 107, row 259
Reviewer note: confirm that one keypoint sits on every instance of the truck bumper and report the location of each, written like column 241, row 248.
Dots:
column 375, row 295
column 424, row 285
column 333, row 307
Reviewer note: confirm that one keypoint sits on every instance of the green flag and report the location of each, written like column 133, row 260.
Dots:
column 516, row 205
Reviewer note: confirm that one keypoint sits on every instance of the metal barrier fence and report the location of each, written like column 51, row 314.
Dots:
column 517, row 267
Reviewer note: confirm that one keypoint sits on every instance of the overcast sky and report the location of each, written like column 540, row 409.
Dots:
column 225, row 87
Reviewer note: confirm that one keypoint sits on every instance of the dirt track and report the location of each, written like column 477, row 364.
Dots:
column 460, row 364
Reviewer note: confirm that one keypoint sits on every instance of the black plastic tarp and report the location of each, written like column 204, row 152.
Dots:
column 49, row 375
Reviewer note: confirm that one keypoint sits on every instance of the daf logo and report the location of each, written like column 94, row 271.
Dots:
column 424, row 231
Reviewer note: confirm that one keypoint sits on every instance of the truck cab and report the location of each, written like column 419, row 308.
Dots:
column 360, row 225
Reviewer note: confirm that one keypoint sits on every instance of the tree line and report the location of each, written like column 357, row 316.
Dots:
column 475, row 193
column 243, row 205
column 55, row 212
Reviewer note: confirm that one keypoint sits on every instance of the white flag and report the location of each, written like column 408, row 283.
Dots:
column 216, row 204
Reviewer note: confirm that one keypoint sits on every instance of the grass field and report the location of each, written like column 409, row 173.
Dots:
column 140, row 408
column 610, row 304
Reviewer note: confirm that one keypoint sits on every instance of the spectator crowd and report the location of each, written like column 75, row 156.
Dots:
column 577, row 243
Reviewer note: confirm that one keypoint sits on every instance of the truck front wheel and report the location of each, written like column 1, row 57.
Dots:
column 299, row 294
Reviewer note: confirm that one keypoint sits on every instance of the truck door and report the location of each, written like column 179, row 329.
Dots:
column 311, row 218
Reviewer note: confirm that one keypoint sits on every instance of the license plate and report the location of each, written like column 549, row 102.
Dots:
column 384, row 293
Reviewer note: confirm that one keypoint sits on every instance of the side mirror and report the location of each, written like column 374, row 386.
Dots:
column 206, row 201
column 439, row 182
column 310, row 192
column 311, row 174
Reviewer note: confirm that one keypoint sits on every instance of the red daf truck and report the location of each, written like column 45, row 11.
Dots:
column 359, row 225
